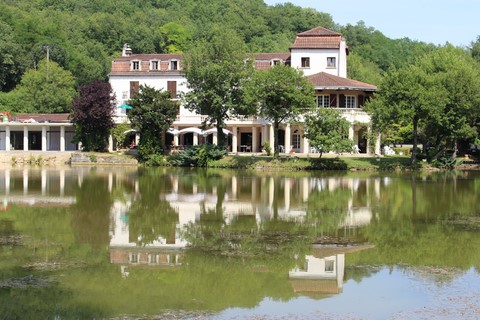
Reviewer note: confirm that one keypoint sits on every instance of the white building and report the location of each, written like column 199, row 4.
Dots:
column 320, row 53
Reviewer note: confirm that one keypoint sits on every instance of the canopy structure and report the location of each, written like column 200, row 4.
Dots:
column 125, row 106
column 130, row 131
column 191, row 129
column 214, row 130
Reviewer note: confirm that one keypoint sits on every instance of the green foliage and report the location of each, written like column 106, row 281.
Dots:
column 437, row 96
column 119, row 135
column 446, row 162
column 198, row 156
column 153, row 112
column 49, row 89
column 216, row 72
column 327, row 131
column 267, row 148
column 281, row 94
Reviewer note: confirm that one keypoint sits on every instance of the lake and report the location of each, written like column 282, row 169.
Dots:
column 168, row 243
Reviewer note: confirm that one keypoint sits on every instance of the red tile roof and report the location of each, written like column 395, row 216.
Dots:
column 42, row 117
column 325, row 80
column 317, row 38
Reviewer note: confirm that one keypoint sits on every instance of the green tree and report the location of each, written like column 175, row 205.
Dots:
column 281, row 93
column 49, row 89
column 438, row 96
column 153, row 112
column 406, row 96
column 458, row 73
column 92, row 114
column 327, row 130
column 216, row 72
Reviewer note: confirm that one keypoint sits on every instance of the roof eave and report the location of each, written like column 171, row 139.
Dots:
column 344, row 88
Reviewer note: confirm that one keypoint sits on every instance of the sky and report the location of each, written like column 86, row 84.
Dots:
column 432, row 21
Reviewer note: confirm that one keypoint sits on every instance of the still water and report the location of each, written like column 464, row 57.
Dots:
column 106, row 243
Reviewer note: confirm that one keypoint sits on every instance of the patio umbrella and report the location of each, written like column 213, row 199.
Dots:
column 125, row 106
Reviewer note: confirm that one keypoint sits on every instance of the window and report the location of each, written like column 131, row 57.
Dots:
column 154, row 65
column 350, row 102
column 323, row 101
column 174, row 65
column 331, row 62
column 296, row 141
column 153, row 258
column 275, row 62
column 124, row 95
column 135, row 65
column 305, row 62
column 329, row 265
column 133, row 258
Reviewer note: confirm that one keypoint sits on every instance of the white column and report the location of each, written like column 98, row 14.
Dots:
column 264, row 134
column 378, row 143
column 7, row 138
column 351, row 132
column 215, row 138
column 110, row 143
column 62, row 138
column 25, row 138
column 270, row 136
column 288, row 142
column 44, row 138
column 254, row 139
column 234, row 140
column 306, row 145
column 175, row 136
column 195, row 139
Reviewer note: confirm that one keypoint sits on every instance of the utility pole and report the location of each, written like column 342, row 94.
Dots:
column 48, row 57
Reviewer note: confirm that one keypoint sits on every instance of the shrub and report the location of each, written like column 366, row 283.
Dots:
column 445, row 162
column 199, row 156
column 268, row 149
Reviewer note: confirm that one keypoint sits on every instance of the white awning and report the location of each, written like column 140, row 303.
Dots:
column 191, row 129
column 214, row 130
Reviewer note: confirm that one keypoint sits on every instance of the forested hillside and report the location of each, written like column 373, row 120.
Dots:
column 82, row 36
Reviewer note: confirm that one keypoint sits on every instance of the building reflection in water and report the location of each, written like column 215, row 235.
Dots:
column 323, row 271
column 262, row 198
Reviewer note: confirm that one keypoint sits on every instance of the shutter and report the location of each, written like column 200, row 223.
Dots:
column 341, row 98
column 333, row 100
column 134, row 88
column 361, row 100
column 172, row 87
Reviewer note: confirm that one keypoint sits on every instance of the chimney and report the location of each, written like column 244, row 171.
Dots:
column 127, row 51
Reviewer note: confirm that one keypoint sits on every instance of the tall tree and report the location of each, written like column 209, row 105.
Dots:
column 49, row 89
column 327, row 130
column 406, row 96
column 216, row 72
column 153, row 112
column 438, row 95
column 92, row 114
column 281, row 94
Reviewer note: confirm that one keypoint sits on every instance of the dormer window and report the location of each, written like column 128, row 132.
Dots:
column 331, row 62
column 154, row 65
column 305, row 62
column 135, row 65
column 173, row 65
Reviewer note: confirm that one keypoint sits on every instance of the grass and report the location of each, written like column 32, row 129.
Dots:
column 330, row 163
